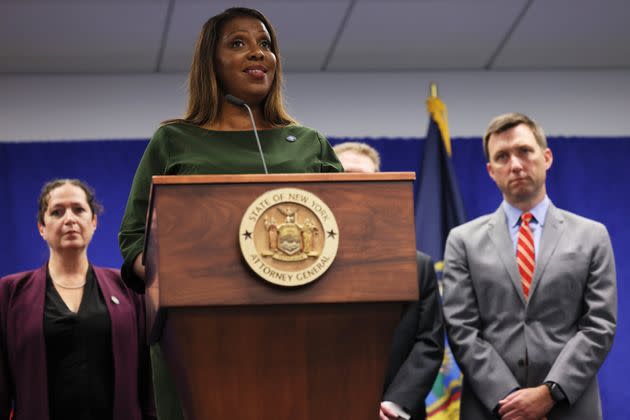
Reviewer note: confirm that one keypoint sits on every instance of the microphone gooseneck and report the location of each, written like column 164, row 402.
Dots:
column 234, row 100
column 239, row 102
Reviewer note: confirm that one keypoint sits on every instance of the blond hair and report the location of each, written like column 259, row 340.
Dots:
column 362, row 148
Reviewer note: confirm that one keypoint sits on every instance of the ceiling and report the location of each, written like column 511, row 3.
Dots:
column 149, row 36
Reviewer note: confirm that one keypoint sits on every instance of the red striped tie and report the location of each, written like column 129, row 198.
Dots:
column 525, row 255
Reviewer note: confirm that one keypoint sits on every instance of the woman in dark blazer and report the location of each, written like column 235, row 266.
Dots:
column 72, row 340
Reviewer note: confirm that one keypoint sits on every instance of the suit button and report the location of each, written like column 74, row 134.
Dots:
column 521, row 362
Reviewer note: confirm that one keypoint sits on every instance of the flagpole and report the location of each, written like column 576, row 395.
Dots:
column 439, row 208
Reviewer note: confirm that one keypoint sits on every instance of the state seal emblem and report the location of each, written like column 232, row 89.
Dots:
column 289, row 237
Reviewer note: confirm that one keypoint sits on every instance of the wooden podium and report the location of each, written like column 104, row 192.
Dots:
column 239, row 347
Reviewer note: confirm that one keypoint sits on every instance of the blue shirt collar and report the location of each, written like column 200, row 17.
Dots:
column 539, row 211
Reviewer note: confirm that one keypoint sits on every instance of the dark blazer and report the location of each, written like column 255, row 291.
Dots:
column 418, row 346
column 23, row 349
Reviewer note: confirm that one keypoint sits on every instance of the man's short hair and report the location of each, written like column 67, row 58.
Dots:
column 510, row 120
column 362, row 148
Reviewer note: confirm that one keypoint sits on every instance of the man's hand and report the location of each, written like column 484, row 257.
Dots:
column 526, row 404
column 390, row 411
column 385, row 414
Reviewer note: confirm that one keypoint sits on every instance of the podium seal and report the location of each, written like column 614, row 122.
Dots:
column 289, row 237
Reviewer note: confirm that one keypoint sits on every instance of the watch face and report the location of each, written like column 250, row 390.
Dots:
column 556, row 393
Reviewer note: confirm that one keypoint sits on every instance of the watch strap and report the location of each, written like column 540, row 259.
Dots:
column 555, row 391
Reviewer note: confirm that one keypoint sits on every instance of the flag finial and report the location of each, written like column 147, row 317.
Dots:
column 438, row 112
column 433, row 91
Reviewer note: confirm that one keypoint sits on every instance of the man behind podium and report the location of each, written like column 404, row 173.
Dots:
column 530, row 297
column 418, row 345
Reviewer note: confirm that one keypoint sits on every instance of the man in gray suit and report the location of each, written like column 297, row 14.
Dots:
column 530, row 298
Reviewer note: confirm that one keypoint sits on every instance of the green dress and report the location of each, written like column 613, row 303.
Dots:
column 185, row 149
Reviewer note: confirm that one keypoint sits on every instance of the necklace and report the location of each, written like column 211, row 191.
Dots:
column 64, row 286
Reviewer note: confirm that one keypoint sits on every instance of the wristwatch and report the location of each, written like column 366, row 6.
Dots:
column 556, row 392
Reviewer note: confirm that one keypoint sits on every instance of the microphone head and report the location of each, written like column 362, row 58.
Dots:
column 234, row 100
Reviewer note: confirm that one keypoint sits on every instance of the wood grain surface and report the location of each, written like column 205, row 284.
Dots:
column 200, row 261
column 306, row 362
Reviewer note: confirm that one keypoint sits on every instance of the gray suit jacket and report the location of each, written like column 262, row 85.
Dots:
column 562, row 333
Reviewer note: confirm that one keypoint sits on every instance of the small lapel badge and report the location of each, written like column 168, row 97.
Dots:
column 291, row 139
column 115, row 300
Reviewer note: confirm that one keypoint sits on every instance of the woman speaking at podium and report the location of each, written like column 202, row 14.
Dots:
column 236, row 68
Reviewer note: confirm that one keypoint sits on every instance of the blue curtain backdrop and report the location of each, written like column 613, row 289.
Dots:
column 589, row 176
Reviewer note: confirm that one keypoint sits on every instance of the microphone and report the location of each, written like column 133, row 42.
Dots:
column 239, row 102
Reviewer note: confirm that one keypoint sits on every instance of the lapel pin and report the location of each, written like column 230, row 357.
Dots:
column 115, row 300
column 291, row 139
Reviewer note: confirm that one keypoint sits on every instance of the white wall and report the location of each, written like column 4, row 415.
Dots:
column 55, row 107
